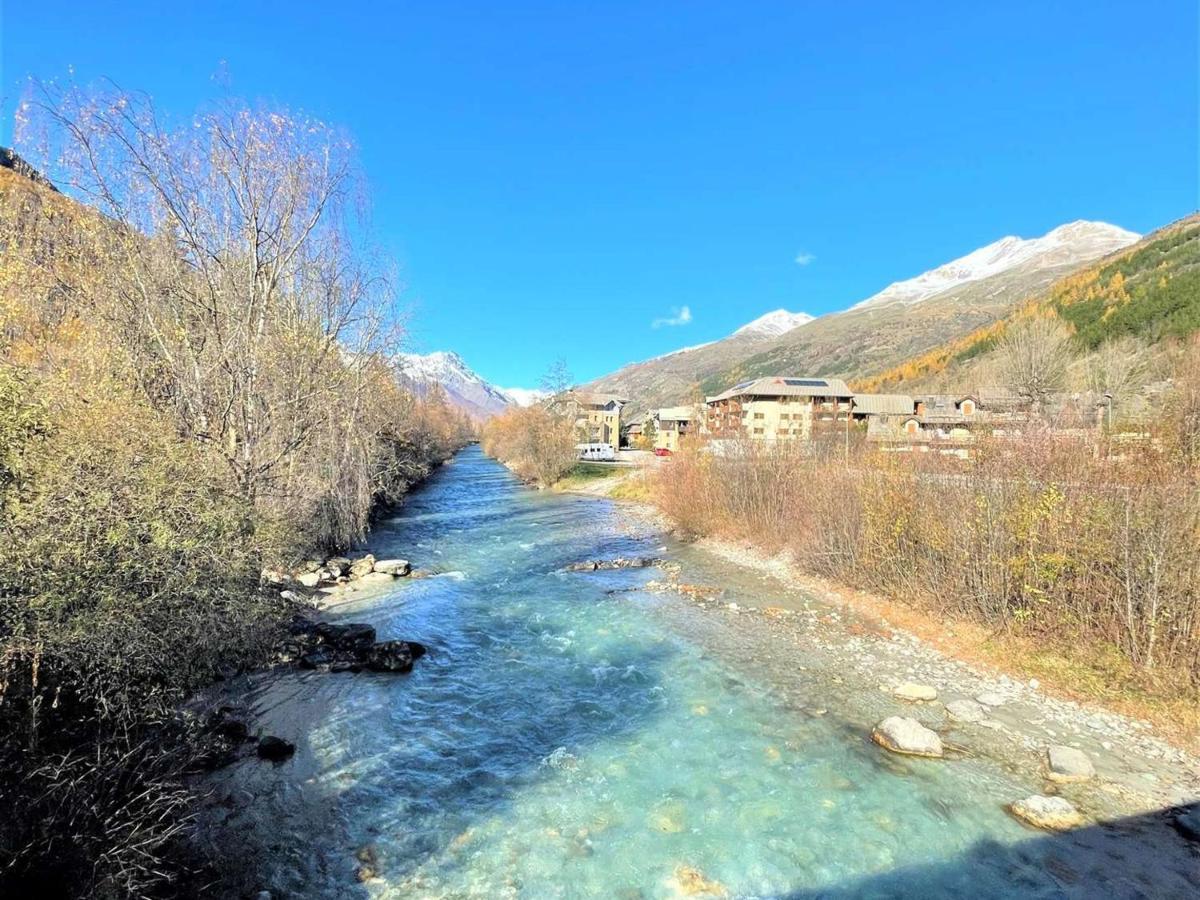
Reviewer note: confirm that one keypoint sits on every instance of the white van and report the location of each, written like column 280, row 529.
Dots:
column 597, row 452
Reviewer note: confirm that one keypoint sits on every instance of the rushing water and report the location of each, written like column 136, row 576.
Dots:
column 570, row 735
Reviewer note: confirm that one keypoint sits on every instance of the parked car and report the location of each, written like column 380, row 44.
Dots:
column 661, row 451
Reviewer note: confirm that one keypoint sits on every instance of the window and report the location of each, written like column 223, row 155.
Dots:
column 783, row 417
column 758, row 431
column 758, row 415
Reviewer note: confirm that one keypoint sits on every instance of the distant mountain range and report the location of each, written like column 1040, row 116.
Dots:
column 464, row 388
column 902, row 321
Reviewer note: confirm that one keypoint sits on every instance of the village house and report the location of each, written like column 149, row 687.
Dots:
column 867, row 406
column 670, row 425
column 779, row 408
column 598, row 417
column 633, row 434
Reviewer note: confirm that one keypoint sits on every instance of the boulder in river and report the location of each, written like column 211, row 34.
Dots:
column 900, row 734
column 1066, row 764
column 391, row 656
column 1050, row 813
column 275, row 749
column 310, row 579
column 363, row 566
column 990, row 698
column 693, row 883
column 396, row 567
column 914, row 692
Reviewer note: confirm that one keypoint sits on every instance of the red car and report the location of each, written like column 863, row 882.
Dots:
column 661, row 451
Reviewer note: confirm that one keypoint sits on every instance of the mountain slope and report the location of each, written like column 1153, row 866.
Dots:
column 900, row 322
column 465, row 389
column 674, row 377
column 1151, row 291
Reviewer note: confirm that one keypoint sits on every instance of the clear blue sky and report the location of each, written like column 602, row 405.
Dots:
column 553, row 177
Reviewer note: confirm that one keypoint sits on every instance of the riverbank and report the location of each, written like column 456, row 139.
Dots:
column 1146, row 754
column 641, row 730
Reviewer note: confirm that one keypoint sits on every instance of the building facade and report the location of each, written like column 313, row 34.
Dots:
column 671, row 425
column 779, row 408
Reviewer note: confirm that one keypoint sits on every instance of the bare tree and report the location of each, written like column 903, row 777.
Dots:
column 240, row 292
column 1034, row 355
column 1118, row 369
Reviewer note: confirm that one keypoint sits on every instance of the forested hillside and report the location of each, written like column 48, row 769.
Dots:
column 1146, row 296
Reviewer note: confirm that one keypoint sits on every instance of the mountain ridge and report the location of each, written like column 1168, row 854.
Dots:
column 872, row 336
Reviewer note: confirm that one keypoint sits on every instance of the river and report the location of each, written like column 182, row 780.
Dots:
column 572, row 735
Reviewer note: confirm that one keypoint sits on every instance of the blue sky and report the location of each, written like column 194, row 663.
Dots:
column 552, row 178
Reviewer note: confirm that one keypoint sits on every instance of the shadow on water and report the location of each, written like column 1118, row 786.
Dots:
column 1136, row 857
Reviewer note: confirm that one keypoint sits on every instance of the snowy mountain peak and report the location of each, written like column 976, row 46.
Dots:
column 1078, row 241
column 463, row 386
column 775, row 323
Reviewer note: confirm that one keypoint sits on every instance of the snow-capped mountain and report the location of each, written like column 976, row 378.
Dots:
column 524, row 396
column 1066, row 244
column 464, row 388
column 775, row 323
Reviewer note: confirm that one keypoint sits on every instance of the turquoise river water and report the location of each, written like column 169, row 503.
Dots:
column 570, row 735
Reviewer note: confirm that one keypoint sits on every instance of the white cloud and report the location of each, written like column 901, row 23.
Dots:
column 803, row 258
column 680, row 315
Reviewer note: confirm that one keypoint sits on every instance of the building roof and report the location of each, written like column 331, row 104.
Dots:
column 787, row 386
column 884, row 404
column 675, row 414
column 588, row 398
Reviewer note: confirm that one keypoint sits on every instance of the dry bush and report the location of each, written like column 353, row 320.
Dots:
column 536, row 442
column 1048, row 538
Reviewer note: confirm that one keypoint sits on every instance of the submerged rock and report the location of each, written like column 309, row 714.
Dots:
column 621, row 562
column 966, row 710
column 914, row 692
column 900, row 734
column 1066, row 764
column 692, row 882
column 275, row 749
column 991, row 698
column 1050, row 813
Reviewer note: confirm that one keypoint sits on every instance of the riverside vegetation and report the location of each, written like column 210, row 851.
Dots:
column 195, row 382
column 1089, row 558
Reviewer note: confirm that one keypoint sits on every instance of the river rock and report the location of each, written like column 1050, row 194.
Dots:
column 363, row 566
column 1050, row 813
column 903, row 735
column 347, row 636
column 1066, row 764
column 693, row 883
column 966, row 710
column 914, row 692
column 338, row 565
column 375, row 578
column 391, row 656
column 991, row 698
column 310, row 579
column 396, row 567
column 275, row 749
column 621, row 562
